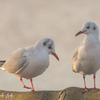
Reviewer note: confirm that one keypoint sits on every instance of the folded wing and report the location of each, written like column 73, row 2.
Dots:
column 16, row 62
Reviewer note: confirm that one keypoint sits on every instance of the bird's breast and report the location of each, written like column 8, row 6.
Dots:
column 38, row 65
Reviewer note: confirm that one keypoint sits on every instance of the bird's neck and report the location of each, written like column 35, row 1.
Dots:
column 91, row 39
column 41, row 53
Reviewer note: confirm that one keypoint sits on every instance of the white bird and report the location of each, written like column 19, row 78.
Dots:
column 31, row 61
column 86, row 58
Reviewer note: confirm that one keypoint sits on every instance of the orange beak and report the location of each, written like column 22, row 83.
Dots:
column 55, row 55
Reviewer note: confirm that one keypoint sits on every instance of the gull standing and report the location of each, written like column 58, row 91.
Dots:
column 31, row 61
column 86, row 58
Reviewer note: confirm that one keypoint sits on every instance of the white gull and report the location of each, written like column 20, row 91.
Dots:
column 31, row 61
column 86, row 58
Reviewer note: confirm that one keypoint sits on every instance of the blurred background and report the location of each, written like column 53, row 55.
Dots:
column 24, row 22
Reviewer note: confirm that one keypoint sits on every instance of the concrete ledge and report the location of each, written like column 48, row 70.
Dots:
column 71, row 93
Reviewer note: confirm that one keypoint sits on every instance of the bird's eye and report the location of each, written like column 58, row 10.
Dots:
column 88, row 27
column 50, row 47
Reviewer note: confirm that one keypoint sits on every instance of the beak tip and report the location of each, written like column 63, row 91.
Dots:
column 57, row 58
column 75, row 35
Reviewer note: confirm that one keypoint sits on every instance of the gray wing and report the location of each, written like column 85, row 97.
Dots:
column 75, row 55
column 1, row 63
column 74, row 58
column 16, row 62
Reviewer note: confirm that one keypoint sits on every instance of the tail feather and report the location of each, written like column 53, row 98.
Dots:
column 1, row 63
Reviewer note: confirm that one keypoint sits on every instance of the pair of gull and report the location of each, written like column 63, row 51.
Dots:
column 32, row 61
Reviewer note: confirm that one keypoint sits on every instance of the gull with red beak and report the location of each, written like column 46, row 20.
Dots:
column 86, row 58
column 31, row 61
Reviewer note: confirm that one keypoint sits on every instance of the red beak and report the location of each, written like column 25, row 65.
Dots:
column 55, row 55
column 80, row 32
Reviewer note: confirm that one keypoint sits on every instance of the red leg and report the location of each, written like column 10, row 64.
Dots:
column 94, row 81
column 24, row 85
column 32, row 85
column 85, row 89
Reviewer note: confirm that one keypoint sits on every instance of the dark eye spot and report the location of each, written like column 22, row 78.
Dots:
column 49, row 47
column 88, row 27
column 94, row 28
column 44, row 43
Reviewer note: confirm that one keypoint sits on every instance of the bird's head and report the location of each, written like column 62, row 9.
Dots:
column 49, row 46
column 89, row 28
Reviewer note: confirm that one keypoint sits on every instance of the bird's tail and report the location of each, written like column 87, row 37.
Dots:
column 1, row 63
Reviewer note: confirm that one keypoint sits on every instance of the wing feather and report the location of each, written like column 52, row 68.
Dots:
column 16, row 62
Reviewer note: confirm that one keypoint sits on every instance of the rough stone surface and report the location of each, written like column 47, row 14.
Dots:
column 71, row 93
